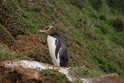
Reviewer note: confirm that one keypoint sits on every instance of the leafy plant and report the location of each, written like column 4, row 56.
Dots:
column 117, row 24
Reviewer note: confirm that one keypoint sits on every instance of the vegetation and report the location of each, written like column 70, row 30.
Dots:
column 84, row 72
column 6, row 55
column 38, row 56
column 6, row 36
column 92, row 29
column 54, row 76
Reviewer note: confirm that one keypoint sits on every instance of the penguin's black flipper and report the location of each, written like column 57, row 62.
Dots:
column 58, row 45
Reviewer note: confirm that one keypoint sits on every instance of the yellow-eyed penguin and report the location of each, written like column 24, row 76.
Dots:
column 57, row 47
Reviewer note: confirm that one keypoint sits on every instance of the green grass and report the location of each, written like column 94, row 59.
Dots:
column 54, row 76
column 85, row 72
column 6, row 55
column 93, row 30
column 41, row 56
column 6, row 37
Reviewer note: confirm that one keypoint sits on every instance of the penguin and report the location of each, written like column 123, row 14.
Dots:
column 57, row 47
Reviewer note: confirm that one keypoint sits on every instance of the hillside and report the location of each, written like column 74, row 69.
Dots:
column 93, row 32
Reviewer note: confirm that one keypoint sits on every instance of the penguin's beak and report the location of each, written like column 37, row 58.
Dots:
column 47, row 32
column 42, row 31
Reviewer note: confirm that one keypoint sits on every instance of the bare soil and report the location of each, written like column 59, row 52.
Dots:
column 33, row 46
column 30, row 43
column 19, row 75
column 27, row 44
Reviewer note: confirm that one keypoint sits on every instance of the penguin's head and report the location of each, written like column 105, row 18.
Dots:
column 48, row 30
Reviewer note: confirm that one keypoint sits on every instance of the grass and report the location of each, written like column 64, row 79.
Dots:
column 6, row 55
column 85, row 72
column 54, row 76
column 94, row 37
column 6, row 36
column 41, row 56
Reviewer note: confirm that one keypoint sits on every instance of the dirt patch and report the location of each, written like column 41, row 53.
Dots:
column 19, row 75
column 33, row 46
column 30, row 43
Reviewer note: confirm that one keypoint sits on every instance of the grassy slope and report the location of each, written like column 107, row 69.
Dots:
column 6, row 36
column 93, row 33
column 5, row 55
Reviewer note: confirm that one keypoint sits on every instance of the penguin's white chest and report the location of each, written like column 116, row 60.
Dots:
column 52, row 48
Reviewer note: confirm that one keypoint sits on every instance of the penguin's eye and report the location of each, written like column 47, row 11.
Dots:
column 46, row 28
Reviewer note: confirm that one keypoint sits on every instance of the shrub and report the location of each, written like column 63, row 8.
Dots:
column 103, row 27
column 116, row 23
column 116, row 4
column 78, row 3
column 96, row 4
column 102, row 17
